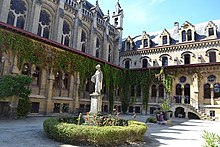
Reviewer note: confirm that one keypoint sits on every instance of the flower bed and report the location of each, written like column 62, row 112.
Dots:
column 83, row 134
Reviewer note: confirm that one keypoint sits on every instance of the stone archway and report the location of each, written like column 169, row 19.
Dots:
column 192, row 115
column 180, row 112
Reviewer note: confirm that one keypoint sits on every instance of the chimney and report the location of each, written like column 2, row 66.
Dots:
column 176, row 27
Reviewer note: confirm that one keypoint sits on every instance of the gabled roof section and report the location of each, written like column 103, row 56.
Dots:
column 87, row 5
column 187, row 24
column 165, row 32
column 174, row 35
column 211, row 24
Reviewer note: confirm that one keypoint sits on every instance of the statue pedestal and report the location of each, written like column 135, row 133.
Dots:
column 96, row 103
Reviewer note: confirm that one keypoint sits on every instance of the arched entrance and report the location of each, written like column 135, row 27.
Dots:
column 179, row 112
column 192, row 116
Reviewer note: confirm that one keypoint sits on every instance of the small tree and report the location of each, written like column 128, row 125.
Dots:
column 17, row 86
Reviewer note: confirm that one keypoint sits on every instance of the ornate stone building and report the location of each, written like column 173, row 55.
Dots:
column 65, row 24
column 190, row 55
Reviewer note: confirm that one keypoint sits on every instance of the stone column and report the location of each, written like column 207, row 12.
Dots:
column 43, row 81
column 77, row 83
column 36, row 16
column 50, row 92
column 4, row 10
column 212, row 95
column 58, row 26
column 76, row 35
column 182, row 97
column 71, row 93
column 15, row 69
column 105, row 49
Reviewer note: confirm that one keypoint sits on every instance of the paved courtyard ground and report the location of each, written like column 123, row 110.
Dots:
column 29, row 133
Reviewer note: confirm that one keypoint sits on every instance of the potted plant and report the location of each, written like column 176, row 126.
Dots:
column 165, row 107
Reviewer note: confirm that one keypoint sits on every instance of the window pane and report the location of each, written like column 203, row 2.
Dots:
column 127, row 64
column 153, row 91
column 11, row 18
column 164, row 39
column 189, row 35
column 20, row 22
column 212, row 57
column 144, row 63
column 207, row 91
column 164, row 61
column 145, row 42
column 183, row 36
column 161, row 91
column 187, row 59
column 211, row 31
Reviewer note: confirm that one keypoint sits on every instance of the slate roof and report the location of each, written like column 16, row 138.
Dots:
column 87, row 5
column 155, row 36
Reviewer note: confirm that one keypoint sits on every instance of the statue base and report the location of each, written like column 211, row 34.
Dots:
column 96, row 103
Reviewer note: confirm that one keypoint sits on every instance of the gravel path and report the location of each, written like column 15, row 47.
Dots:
column 29, row 133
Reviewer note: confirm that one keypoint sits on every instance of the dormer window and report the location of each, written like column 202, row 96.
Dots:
column 164, row 40
column 128, row 45
column 187, row 32
column 211, row 31
column 145, row 42
column 189, row 35
column 183, row 36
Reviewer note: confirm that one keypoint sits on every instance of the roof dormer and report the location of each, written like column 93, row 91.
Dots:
column 165, row 38
column 145, row 40
column 211, row 30
column 187, row 32
column 128, row 44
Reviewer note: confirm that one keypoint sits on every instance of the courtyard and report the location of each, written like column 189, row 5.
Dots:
column 183, row 132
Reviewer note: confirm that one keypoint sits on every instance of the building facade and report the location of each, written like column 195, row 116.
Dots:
column 74, row 24
column 190, row 55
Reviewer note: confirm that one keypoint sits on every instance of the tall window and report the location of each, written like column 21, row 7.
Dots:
column 97, row 48
column 187, row 93
column 164, row 39
column 127, row 64
column 66, row 81
column 83, row 41
column 44, row 24
column 187, row 59
column 144, row 63
column 139, row 90
column 26, row 70
column 178, row 89
column 36, row 76
column 189, row 35
column 16, row 15
column 132, row 90
column 153, row 91
column 128, row 45
column 211, row 31
column 145, row 42
column 183, row 36
column 164, row 61
column 66, row 33
column 161, row 91
column 212, row 57
column 109, row 53
column 216, row 90
column 207, row 91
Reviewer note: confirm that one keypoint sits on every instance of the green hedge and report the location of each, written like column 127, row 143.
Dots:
column 94, row 135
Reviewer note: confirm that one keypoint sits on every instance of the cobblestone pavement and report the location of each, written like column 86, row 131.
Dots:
column 29, row 133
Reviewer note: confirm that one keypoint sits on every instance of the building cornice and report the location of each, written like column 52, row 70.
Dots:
column 173, row 48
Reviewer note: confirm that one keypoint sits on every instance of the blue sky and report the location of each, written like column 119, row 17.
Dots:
column 155, row 15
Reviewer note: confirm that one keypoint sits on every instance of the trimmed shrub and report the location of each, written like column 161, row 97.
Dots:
column 151, row 119
column 94, row 135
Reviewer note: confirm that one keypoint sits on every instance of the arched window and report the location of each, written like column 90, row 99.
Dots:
column 187, row 93
column 165, row 40
column 187, row 59
column 132, row 90
column 161, row 91
column 127, row 64
column 97, row 43
column 145, row 42
column 216, row 90
column 26, row 70
column 212, row 57
column 207, row 91
column 211, row 31
column 164, row 61
column 44, row 24
column 66, row 81
column 211, row 78
column 83, row 41
column 138, row 89
column 178, row 90
column 58, row 80
column 36, row 76
column 183, row 36
column 144, row 63
column 97, row 53
column 97, row 48
column 128, row 45
column 189, row 35
column 16, row 15
column 66, row 34
column 153, row 91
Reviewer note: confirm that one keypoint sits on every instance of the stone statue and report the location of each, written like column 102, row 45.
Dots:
column 97, row 79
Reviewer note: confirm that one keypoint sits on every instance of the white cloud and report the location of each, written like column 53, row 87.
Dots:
column 156, row 2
